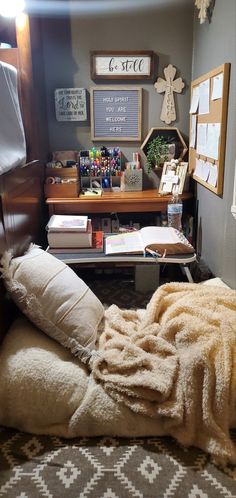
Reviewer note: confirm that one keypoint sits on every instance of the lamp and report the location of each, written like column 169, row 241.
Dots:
column 11, row 8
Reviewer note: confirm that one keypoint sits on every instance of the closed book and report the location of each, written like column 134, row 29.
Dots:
column 71, row 239
column 97, row 246
column 67, row 223
column 156, row 240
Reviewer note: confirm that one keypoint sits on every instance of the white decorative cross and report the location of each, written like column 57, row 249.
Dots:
column 202, row 5
column 169, row 86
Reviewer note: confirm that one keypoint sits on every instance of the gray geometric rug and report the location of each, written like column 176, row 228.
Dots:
column 117, row 286
column 40, row 466
column 44, row 466
column 116, row 289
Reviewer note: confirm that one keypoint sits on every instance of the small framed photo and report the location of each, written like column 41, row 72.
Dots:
column 173, row 177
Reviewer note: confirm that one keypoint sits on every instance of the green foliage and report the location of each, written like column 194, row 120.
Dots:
column 157, row 152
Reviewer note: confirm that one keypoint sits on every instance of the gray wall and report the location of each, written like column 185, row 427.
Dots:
column 214, row 44
column 67, row 45
column 168, row 32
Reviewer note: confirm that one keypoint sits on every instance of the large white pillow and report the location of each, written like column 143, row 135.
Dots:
column 54, row 298
column 42, row 384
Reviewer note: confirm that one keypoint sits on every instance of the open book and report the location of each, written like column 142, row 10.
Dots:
column 158, row 241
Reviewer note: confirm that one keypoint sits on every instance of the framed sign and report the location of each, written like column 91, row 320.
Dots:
column 173, row 177
column 116, row 113
column 70, row 104
column 122, row 65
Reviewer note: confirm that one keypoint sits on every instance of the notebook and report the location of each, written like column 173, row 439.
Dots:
column 63, row 239
column 67, row 223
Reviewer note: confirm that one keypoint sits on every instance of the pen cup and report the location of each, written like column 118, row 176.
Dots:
column 132, row 180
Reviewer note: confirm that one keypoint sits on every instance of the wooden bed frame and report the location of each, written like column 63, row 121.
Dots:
column 22, row 218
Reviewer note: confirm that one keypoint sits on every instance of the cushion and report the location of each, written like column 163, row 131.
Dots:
column 217, row 282
column 54, row 298
column 42, row 384
column 45, row 390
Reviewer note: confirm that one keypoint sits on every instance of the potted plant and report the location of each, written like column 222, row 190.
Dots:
column 157, row 153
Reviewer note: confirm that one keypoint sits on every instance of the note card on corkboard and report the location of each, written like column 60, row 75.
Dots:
column 116, row 113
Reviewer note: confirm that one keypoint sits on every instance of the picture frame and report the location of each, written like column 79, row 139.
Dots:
column 173, row 178
column 116, row 113
column 70, row 104
column 122, row 65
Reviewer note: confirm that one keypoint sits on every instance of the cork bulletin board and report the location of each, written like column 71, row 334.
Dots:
column 116, row 113
column 208, row 122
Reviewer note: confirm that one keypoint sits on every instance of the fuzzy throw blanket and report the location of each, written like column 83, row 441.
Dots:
column 177, row 364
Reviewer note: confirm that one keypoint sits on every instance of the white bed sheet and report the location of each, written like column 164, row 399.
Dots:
column 12, row 136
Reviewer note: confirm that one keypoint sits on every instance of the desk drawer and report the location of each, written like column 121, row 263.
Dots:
column 61, row 190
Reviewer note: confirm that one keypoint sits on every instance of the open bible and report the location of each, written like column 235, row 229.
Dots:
column 158, row 241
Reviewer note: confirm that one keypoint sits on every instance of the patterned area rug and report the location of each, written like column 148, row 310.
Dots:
column 118, row 286
column 40, row 466
column 118, row 291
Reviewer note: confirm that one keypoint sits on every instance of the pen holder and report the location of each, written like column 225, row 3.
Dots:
column 132, row 180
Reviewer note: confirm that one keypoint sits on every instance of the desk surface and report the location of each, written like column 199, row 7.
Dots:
column 85, row 258
column 118, row 202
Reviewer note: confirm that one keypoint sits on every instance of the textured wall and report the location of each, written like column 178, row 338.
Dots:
column 214, row 44
column 67, row 44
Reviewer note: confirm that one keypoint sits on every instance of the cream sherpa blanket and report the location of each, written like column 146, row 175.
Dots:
column 171, row 367
column 178, row 364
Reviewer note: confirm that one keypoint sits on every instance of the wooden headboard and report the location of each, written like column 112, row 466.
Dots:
column 22, row 220
column 21, row 208
column 22, row 216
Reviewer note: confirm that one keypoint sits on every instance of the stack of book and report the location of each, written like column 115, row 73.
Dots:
column 73, row 233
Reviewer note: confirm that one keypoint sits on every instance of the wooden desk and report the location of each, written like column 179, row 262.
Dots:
column 118, row 202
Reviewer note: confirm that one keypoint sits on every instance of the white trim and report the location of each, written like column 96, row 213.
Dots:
column 233, row 207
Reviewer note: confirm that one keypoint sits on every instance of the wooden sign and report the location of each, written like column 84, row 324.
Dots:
column 122, row 65
column 70, row 104
column 116, row 113
column 173, row 177
column 169, row 86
